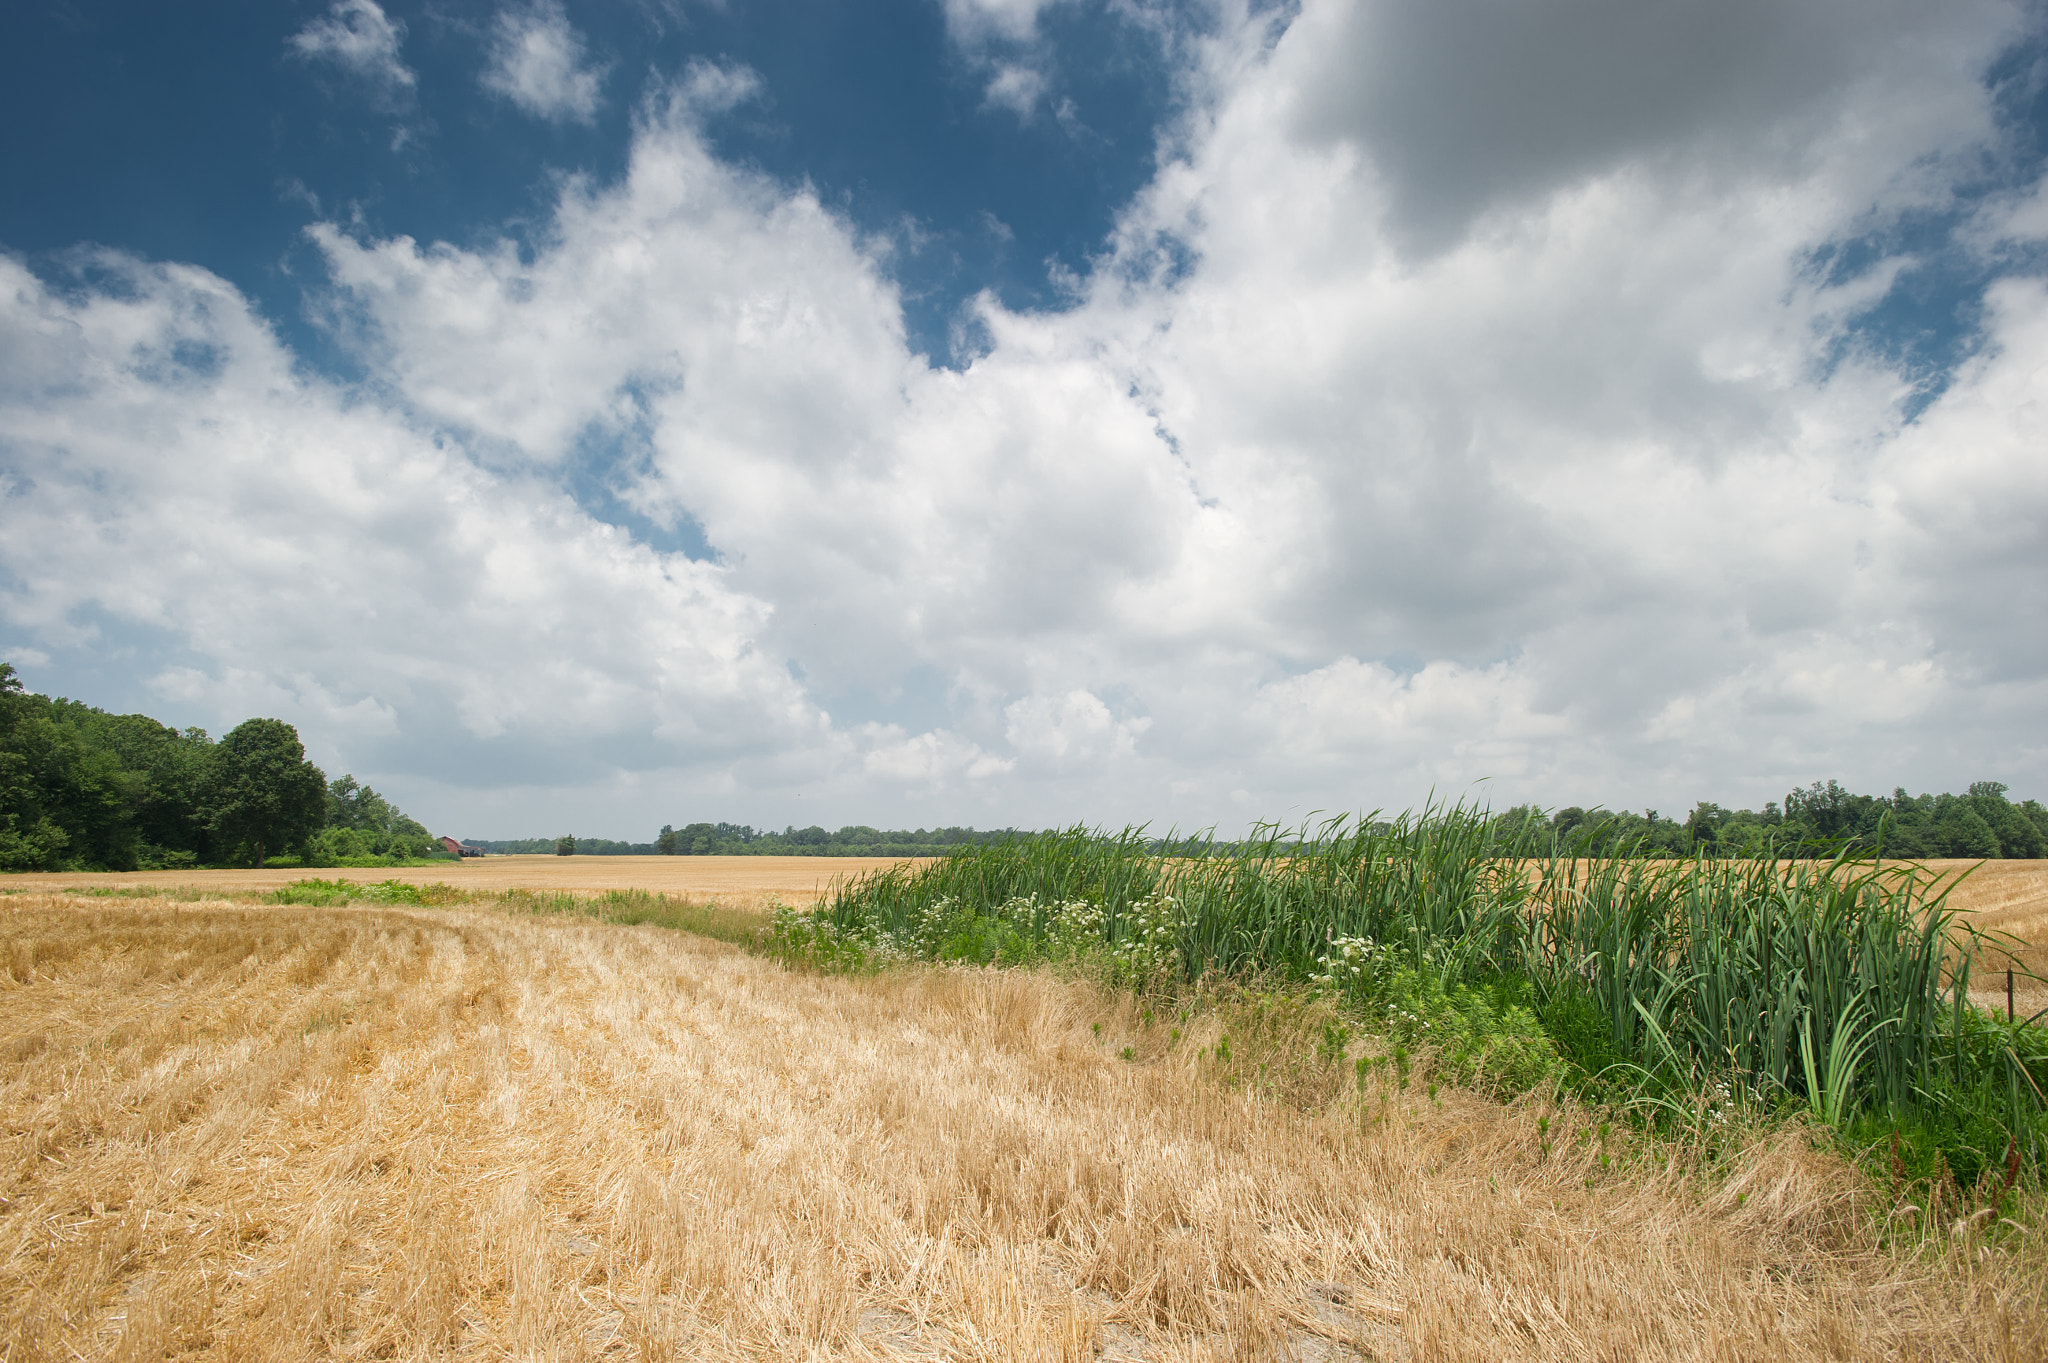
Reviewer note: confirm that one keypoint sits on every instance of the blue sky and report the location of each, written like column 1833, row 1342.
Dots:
column 991, row 411
column 196, row 133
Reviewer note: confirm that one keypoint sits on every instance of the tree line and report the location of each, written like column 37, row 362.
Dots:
column 1824, row 817
column 82, row 789
column 744, row 840
column 1820, row 819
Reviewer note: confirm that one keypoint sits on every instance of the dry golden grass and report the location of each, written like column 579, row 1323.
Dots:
column 250, row 1132
column 739, row 882
column 2008, row 899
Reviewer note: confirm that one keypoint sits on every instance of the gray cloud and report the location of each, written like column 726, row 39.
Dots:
column 1463, row 108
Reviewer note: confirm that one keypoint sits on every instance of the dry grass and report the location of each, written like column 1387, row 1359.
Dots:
column 249, row 1132
column 2009, row 900
column 2006, row 897
column 736, row 882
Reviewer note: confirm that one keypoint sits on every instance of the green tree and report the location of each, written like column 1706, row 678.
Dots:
column 565, row 846
column 263, row 796
column 2036, row 815
column 63, row 802
column 163, row 773
column 362, row 823
column 30, row 839
column 665, row 843
column 1960, row 831
column 2017, row 836
column 1703, row 829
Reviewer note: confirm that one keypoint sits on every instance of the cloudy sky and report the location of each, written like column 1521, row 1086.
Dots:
column 595, row 416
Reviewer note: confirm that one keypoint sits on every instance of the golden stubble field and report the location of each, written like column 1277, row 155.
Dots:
column 736, row 882
column 261, row 1132
column 2006, row 896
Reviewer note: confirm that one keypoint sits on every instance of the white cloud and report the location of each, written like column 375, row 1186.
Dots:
column 715, row 87
column 538, row 61
column 1347, row 476
column 170, row 473
column 935, row 761
column 973, row 22
column 1076, row 728
column 1015, row 87
column 358, row 37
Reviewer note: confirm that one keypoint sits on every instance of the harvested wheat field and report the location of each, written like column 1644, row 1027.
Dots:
column 2008, row 899
column 261, row 1132
column 732, row 882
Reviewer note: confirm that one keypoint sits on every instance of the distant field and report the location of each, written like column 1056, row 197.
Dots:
column 2006, row 897
column 738, row 882
column 265, row 1132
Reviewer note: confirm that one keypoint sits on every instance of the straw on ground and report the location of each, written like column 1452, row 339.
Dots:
column 250, row 1132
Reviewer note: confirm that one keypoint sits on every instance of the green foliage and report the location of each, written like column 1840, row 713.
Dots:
column 87, row 790
column 1838, row 987
column 61, row 800
column 1484, row 1035
column 328, row 893
column 565, row 846
column 737, row 840
column 364, row 829
column 1818, row 821
column 263, row 795
column 1575, row 1024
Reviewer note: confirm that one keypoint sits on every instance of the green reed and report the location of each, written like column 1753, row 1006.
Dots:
column 1838, row 987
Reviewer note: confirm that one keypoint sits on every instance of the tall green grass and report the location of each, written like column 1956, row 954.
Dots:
column 1838, row 988
column 1838, row 982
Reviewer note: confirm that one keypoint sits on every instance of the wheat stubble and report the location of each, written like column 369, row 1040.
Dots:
column 250, row 1132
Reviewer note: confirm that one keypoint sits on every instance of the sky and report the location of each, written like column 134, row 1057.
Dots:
column 588, row 417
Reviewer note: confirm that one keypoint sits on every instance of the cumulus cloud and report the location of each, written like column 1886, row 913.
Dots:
column 935, row 761
column 169, row 473
column 1015, row 87
column 539, row 62
column 359, row 38
column 1347, row 475
column 1073, row 729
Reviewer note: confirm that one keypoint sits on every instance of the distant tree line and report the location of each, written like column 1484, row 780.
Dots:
column 1823, row 817
column 81, row 789
column 1818, row 820
column 744, row 840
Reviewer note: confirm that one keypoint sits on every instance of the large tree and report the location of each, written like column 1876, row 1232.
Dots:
column 264, row 796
